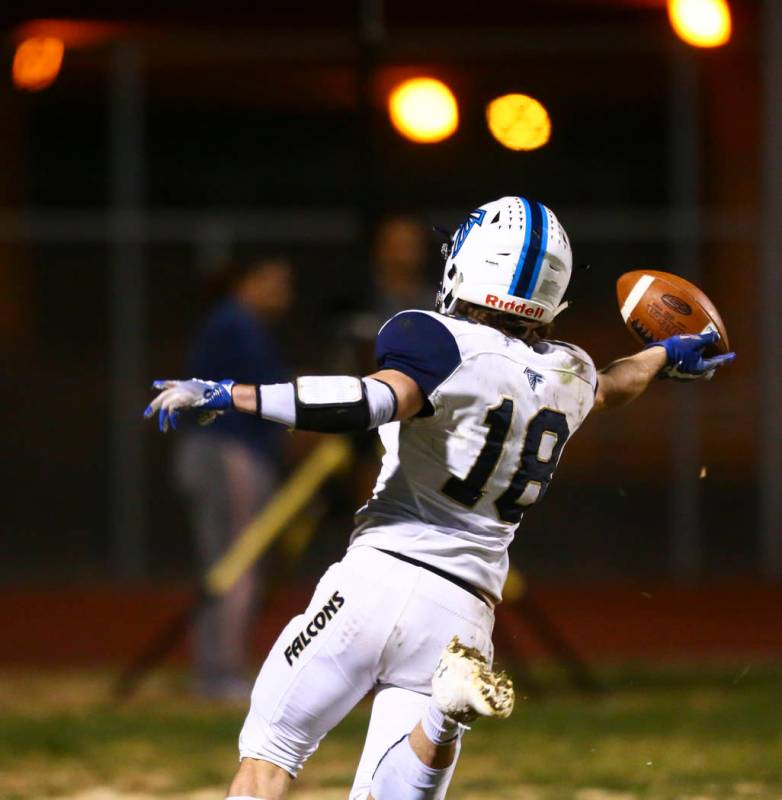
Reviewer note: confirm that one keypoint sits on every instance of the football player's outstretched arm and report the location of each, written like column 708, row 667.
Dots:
column 679, row 357
column 324, row 403
column 627, row 378
column 407, row 395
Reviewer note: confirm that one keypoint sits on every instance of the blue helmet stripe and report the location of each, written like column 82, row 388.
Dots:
column 542, row 247
column 524, row 248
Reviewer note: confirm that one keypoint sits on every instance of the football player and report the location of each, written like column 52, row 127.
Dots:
column 474, row 407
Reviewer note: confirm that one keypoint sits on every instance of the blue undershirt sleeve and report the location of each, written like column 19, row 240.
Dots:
column 420, row 346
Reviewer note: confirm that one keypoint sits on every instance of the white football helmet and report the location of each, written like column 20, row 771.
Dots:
column 511, row 255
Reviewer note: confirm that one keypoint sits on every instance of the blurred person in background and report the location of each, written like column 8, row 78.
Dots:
column 399, row 256
column 236, row 337
column 399, row 260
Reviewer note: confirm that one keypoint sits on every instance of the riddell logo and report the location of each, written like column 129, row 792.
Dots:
column 509, row 305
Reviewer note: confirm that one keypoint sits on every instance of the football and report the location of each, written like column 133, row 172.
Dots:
column 655, row 305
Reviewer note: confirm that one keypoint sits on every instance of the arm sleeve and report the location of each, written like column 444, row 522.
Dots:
column 421, row 347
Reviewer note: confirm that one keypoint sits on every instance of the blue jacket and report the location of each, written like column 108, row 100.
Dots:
column 233, row 343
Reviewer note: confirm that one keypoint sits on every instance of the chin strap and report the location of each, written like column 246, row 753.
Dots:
column 560, row 308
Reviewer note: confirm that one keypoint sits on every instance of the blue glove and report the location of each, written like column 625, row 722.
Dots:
column 685, row 359
column 208, row 396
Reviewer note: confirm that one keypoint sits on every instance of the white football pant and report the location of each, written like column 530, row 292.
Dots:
column 374, row 624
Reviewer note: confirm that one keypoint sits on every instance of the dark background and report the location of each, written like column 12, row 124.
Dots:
column 265, row 128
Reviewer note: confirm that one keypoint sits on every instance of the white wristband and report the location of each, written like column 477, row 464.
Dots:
column 278, row 403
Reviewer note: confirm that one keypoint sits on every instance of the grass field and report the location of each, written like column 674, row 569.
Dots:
column 695, row 734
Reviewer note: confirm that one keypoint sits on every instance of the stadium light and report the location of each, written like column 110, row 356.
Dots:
column 423, row 110
column 518, row 122
column 701, row 23
column 37, row 62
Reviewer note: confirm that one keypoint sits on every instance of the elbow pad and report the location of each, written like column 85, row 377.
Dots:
column 340, row 403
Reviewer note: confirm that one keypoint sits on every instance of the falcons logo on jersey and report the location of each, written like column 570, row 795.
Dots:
column 533, row 377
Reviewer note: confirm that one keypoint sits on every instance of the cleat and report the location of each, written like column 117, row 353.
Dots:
column 464, row 687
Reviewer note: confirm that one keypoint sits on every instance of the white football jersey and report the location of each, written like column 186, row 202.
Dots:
column 455, row 479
